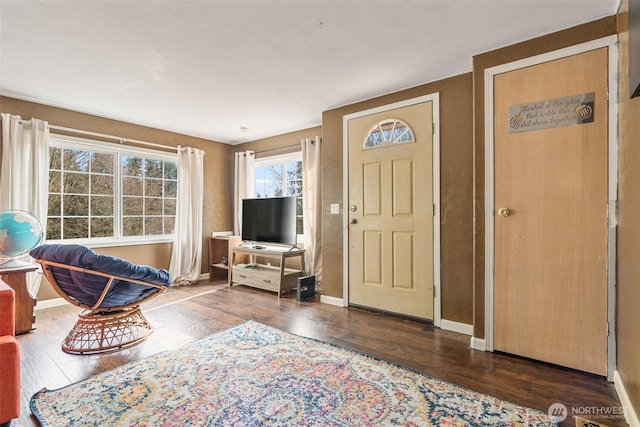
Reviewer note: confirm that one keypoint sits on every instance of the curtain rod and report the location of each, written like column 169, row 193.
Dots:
column 313, row 141
column 104, row 135
column 119, row 138
column 275, row 149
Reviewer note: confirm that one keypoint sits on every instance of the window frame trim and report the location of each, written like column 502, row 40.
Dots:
column 79, row 143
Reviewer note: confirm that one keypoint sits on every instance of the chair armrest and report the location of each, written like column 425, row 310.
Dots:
column 7, row 310
column 9, row 378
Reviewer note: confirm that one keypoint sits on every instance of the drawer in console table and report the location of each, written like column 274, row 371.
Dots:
column 262, row 275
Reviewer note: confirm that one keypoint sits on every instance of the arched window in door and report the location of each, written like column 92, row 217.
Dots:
column 388, row 132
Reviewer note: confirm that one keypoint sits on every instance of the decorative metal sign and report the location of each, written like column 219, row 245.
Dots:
column 552, row 113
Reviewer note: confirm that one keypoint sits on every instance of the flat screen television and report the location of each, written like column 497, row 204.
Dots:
column 269, row 220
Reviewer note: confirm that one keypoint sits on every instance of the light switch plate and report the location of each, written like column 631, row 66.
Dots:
column 335, row 208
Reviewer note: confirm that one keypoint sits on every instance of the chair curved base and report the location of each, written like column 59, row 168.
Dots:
column 102, row 332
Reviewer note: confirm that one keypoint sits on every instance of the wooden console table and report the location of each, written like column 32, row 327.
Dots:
column 16, row 278
column 264, row 276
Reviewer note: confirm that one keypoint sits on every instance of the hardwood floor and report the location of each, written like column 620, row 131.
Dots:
column 187, row 313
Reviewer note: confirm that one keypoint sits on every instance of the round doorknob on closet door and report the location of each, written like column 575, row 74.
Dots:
column 353, row 221
column 504, row 212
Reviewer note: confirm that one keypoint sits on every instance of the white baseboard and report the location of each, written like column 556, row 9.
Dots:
column 461, row 328
column 48, row 303
column 478, row 344
column 338, row 302
column 629, row 414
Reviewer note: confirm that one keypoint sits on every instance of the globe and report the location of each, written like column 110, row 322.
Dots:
column 20, row 232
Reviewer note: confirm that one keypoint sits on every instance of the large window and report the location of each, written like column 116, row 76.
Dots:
column 281, row 176
column 100, row 192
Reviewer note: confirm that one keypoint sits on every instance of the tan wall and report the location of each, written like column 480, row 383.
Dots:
column 218, row 168
column 591, row 31
column 281, row 144
column 456, row 174
column 628, row 274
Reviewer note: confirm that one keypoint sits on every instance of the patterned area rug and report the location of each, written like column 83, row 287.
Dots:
column 256, row 375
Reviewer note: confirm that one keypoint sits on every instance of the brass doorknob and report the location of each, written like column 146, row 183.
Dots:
column 353, row 221
column 504, row 212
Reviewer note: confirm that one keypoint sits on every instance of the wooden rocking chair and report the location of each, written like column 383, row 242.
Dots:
column 110, row 291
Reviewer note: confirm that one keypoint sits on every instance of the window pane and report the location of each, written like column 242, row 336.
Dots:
column 299, row 226
column 132, row 186
column 76, row 160
column 53, row 229
column 277, row 177
column 132, row 205
column 75, row 228
column 132, row 166
column 388, row 131
column 169, row 225
column 261, row 182
column 153, row 187
column 132, row 226
column 269, row 181
column 294, row 178
column 101, row 184
column 170, row 207
column 102, row 227
column 170, row 170
column 55, row 158
column 153, row 168
column 170, row 188
column 54, row 207
column 102, row 206
column 76, row 205
column 77, row 183
column 153, row 226
column 299, row 206
column 152, row 206
column 102, row 163
column 55, row 178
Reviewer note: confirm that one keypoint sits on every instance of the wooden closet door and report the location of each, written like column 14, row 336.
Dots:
column 550, row 289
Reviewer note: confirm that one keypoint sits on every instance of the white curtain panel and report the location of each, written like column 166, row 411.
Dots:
column 24, row 180
column 186, row 256
column 244, row 185
column 312, row 204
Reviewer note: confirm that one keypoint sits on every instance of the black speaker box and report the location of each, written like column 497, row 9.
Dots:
column 306, row 288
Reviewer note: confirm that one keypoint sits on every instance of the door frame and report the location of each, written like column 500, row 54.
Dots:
column 435, row 99
column 611, row 43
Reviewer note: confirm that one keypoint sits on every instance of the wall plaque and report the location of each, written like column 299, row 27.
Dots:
column 552, row 113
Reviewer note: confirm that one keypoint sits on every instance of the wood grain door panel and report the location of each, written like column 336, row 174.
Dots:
column 550, row 289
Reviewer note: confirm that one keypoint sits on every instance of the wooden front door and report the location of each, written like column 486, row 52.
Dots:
column 391, row 210
column 550, row 212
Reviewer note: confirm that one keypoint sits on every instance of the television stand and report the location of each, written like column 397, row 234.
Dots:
column 262, row 274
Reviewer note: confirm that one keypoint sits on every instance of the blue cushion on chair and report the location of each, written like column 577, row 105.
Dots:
column 87, row 288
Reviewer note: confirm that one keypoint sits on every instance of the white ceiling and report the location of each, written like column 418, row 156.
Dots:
column 210, row 68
